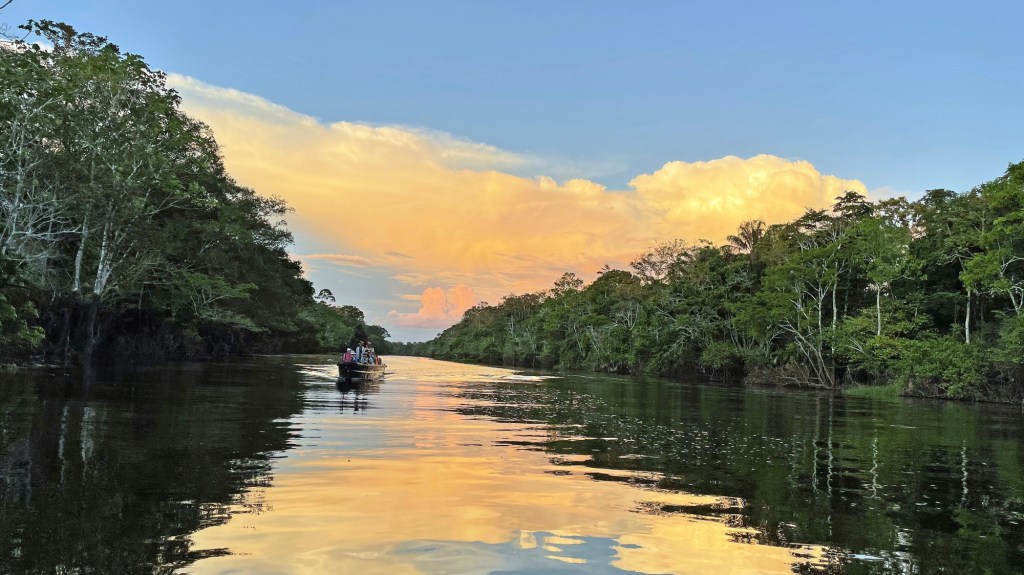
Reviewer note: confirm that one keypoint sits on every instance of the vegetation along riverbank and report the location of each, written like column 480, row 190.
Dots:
column 908, row 297
column 121, row 233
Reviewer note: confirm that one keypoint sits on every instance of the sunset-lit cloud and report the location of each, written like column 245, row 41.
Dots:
column 712, row 198
column 439, row 308
column 339, row 259
column 455, row 221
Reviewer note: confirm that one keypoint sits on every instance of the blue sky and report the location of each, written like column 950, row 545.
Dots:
column 907, row 95
column 901, row 96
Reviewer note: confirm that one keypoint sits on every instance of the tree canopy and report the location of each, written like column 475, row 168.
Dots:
column 120, row 229
column 925, row 297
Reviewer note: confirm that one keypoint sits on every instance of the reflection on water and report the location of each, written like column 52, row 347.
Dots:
column 116, row 478
column 271, row 466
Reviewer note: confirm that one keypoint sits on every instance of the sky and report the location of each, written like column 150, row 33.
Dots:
column 441, row 154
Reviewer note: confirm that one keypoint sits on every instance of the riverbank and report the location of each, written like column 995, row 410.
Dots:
column 996, row 394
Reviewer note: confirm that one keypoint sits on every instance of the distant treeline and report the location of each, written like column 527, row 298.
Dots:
column 121, row 234
column 923, row 297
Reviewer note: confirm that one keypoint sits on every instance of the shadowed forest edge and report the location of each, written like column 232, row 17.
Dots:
column 122, row 235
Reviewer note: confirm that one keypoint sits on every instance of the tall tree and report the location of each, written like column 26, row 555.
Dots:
column 750, row 234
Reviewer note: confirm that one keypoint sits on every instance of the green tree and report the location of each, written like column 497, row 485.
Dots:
column 118, row 213
column 884, row 249
column 999, row 268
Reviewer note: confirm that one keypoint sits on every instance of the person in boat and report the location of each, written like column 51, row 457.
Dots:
column 360, row 351
column 370, row 356
column 348, row 356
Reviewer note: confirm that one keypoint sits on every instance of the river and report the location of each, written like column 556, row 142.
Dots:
column 267, row 466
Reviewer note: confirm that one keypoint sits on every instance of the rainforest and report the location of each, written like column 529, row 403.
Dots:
column 122, row 236
column 887, row 297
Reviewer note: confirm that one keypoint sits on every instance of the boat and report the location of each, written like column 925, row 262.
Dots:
column 351, row 371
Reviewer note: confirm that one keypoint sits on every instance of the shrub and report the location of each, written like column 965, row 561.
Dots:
column 941, row 366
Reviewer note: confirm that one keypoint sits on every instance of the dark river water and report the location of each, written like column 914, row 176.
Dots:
column 267, row 466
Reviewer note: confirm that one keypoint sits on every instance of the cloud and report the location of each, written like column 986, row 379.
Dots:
column 339, row 259
column 19, row 46
column 888, row 193
column 439, row 308
column 434, row 211
column 710, row 199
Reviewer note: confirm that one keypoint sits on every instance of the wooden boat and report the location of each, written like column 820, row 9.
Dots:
column 352, row 371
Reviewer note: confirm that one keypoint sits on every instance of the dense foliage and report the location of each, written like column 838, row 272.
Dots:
column 924, row 296
column 121, row 231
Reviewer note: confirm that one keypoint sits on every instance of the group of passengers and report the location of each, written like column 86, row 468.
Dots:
column 364, row 353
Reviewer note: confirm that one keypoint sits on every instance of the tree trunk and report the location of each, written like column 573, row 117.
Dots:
column 835, row 310
column 105, row 264
column 1017, row 303
column 76, row 286
column 878, row 308
column 967, row 318
column 821, row 304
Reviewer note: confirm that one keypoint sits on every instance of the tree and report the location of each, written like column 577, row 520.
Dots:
column 16, row 311
column 111, row 151
column 568, row 283
column 32, row 211
column 656, row 265
column 884, row 249
column 325, row 296
column 999, row 268
column 749, row 235
column 116, row 209
column 938, row 250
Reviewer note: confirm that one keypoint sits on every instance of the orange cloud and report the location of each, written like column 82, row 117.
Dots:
column 338, row 259
column 711, row 198
column 437, row 211
column 438, row 308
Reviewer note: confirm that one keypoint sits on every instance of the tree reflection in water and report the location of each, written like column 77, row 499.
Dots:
column 595, row 474
column 115, row 476
column 887, row 487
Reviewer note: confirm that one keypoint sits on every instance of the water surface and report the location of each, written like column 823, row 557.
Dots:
column 267, row 466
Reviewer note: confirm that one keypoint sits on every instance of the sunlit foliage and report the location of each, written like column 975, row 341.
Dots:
column 925, row 296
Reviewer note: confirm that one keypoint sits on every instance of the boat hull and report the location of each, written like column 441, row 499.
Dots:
column 352, row 371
